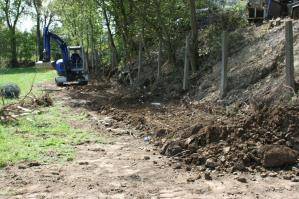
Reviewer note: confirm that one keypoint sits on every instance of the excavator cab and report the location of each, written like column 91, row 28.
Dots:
column 76, row 55
column 74, row 69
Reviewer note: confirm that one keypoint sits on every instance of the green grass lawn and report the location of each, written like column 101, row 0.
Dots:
column 44, row 137
column 24, row 77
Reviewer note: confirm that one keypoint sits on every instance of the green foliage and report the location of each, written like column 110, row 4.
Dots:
column 27, row 46
column 4, row 50
column 130, row 22
column 230, row 20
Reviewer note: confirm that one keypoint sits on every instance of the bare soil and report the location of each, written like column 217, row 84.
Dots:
column 167, row 144
column 129, row 167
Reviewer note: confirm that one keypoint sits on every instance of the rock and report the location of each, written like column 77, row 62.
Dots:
column 198, row 177
column 296, row 143
column 196, row 128
column 190, row 180
column 239, row 166
column 22, row 167
column 147, row 158
column 196, row 159
column 108, row 124
column 155, row 162
column 211, row 163
column 177, row 166
column 201, row 168
column 10, row 91
column 264, row 175
column 97, row 150
column 192, row 143
column 295, row 179
column 289, row 144
column 173, row 150
column 288, row 177
column 241, row 179
column 55, row 173
column 161, row 133
column 226, row 150
column 34, row 164
column 164, row 148
column 273, row 174
column 278, row 156
column 207, row 176
column 157, row 144
column 188, row 168
column 83, row 163
column 191, row 131
column 222, row 159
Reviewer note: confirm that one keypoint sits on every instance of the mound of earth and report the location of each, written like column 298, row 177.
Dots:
column 268, row 138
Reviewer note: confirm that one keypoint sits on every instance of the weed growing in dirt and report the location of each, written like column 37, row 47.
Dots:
column 46, row 137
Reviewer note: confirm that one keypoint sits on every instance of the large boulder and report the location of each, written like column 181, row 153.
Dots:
column 10, row 91
column 278, row 156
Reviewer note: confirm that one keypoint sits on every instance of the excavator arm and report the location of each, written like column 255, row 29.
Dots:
column 48, row 36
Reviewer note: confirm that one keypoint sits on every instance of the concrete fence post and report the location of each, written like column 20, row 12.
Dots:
column 159, row 61
column 223, row 70
column 187, row 64
column 290, row 79
column 139, row 61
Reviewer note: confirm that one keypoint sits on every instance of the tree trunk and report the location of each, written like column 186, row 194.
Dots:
column 164, row 35
column 87, row 53
column 124, row 27
column 92, row 46
column 13, row 46
column 194, row 35
column 38, row 38
column 114, row 54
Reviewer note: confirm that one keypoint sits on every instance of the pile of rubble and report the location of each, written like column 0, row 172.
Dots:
column 266, row 139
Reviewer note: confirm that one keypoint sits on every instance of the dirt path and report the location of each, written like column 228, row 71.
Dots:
column 129, row 168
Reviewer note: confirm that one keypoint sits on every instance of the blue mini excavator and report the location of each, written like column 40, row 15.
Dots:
column 71, row 68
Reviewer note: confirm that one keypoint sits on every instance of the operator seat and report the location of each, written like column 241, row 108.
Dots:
column 76, row 60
